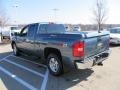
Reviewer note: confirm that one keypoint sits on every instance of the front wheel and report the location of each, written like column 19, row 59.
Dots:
column 15, row 50
column 54, row 65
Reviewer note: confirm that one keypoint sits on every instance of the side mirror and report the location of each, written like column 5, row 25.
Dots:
column 12, row 34
column 15, row 33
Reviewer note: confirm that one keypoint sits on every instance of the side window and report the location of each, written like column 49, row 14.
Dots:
column 24, row 31
column 42, row 29
column 31, row 31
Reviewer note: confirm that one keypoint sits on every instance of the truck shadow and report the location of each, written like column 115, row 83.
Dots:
column 69, row 80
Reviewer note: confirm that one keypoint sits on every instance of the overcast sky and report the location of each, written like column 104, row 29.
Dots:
column 69, row 11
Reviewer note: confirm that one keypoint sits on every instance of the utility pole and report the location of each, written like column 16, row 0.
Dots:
column 55, row 14
column 15, row 7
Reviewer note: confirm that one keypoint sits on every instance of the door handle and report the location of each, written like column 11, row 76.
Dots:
column 27, row 40
column 30, row 41
column 44, row 43
column 99, row 38
column 23, row 39
column 52, row 35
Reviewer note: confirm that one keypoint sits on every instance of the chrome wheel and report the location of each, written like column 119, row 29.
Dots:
column 54, row 66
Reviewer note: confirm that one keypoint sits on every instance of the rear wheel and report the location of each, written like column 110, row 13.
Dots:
column 15, row 50
column 54, row 65
column 100, row 64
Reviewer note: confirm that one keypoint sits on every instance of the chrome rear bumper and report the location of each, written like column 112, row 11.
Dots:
column 93, row 60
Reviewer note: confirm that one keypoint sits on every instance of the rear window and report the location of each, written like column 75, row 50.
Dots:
column 51, row 28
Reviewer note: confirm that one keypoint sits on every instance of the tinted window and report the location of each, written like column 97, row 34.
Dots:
column 24, row 31
column 115, row 31
column 31, row 31
column 55, row 28
column 42, row 29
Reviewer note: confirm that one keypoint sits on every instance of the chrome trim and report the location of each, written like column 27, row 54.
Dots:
column 89, row 62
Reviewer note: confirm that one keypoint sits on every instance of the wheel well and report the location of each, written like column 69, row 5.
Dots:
column 47, row 51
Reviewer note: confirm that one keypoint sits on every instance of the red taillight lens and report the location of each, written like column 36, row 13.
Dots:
column 78, row 49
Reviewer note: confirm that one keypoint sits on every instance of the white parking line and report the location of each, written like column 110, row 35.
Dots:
column 43, row 87
column 21, row 66
column 18, row 79
column 5, row 58
column 30, row 61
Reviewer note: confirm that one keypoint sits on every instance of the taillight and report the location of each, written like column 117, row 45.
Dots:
column 78, row 49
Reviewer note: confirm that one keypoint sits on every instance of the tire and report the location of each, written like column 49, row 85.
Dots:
column 15, row 50
column 100, row 64
column 54, row 65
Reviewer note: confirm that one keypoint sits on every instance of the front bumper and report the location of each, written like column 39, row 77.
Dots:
column 115, row 41
column 93, row 60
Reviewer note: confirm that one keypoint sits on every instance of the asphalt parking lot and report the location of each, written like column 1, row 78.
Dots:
column 26, row 73
column 21, row 73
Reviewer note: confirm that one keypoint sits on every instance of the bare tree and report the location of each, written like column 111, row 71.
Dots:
column 3, row 17
column 100, row 13
column 3, row 20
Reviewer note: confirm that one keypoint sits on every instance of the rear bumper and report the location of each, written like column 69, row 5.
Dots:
column 93, row 60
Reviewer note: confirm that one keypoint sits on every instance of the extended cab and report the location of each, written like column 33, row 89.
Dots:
column 62, row 50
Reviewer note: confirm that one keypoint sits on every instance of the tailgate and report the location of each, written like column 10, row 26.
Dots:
column 96, row 43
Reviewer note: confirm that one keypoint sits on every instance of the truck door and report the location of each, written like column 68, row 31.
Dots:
column 40, row 41
column 21, row 39
column 26, row 38
column 31, row 37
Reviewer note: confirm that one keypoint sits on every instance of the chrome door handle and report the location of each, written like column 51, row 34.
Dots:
column 52, row 35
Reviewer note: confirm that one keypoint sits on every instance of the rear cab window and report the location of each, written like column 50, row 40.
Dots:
column 55, row 28
column 51, row 29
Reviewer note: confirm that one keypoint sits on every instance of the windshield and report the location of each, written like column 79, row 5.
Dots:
column 115, row 31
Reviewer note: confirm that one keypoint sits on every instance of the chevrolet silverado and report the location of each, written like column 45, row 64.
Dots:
column 60, row 49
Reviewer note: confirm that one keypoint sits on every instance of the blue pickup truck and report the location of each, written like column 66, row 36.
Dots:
column 62, row 50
